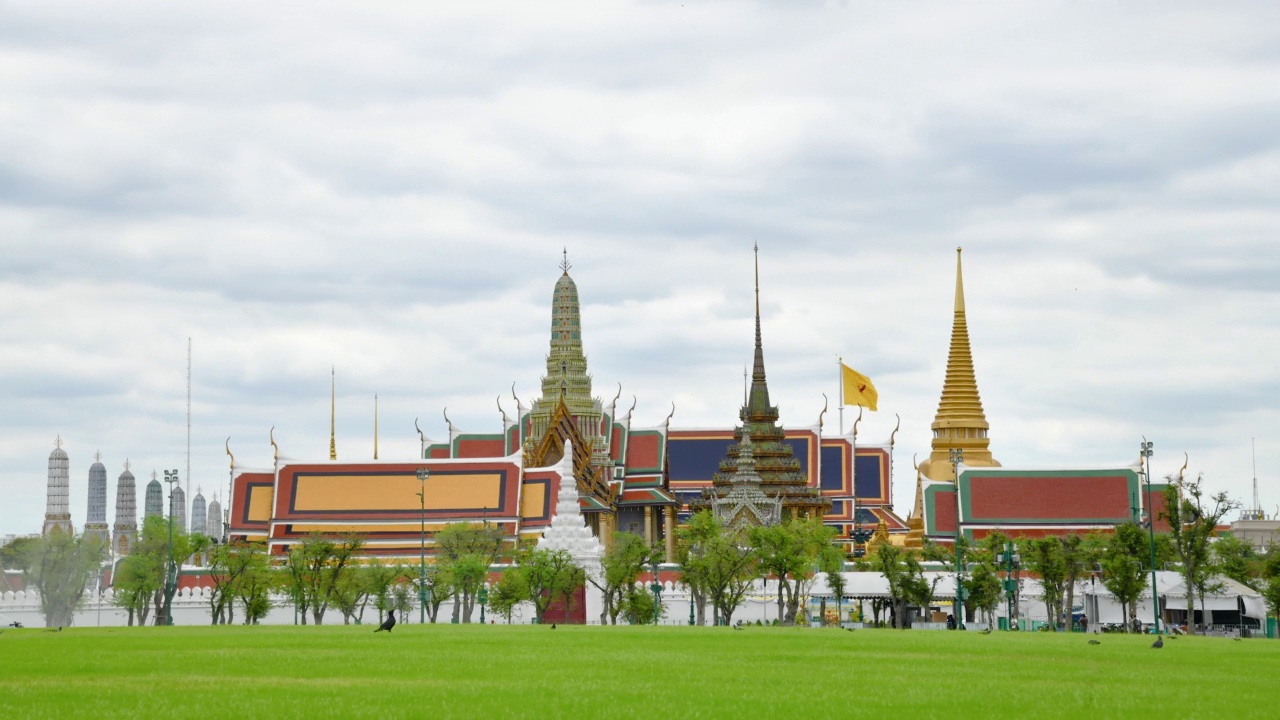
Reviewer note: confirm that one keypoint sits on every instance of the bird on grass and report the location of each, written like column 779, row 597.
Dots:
column 850, row 629
column 985, row 632
column 553, row 626
column 389, row 623
column 1095, row 642
column 1159, row 643
column 737, row 627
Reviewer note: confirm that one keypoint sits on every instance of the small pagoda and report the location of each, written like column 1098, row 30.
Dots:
column 770, row 458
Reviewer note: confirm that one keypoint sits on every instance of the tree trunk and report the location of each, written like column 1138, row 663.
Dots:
column 1191, row 609
column 1071, row 604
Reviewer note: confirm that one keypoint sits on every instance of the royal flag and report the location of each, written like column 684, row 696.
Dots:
column 857, row 388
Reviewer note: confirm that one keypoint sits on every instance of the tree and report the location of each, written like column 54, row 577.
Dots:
column 1271, row 574
column 831, row 562
column 465, row 551
column 1193, row 521
column 718, row 566
column 1238, row 560
column 230, row 567
column 1123, row 572
column 316, row 566
column 548, row 573
column 135, row 580
column 639, row 607
column 905, row 576
column 255, row 581
column 438, row 586
column 510, row 590
column 1078, row 558
column 1043, row 556
column 353, row 589
column 694, row 541
column 790, row 551
column 621, row 565
column 59, row 565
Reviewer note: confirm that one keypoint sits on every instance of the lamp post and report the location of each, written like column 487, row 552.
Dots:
column 1011, row 564
column 483, row 597
column 1151, row 526
column 171, row 574
column 656, row 587
column 859, row 534
column 423, row 474
column 957, row 457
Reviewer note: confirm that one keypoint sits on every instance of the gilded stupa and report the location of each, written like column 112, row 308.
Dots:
column 960, row 423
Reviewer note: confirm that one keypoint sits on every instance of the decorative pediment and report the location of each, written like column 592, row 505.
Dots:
column 550, row 451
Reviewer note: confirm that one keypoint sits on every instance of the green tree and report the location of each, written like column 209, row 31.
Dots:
column 1043, row 556
column 315, row 568
column 1193, row 520
column 694, row 540
column 59, row 566
column 639, row 608
column 134, row 582
column 510, row 590
column 831, row 562
column 1124, row 572
column 621, row 565
column 905, row 576
column 465, row 551
column 719, row 564
column 548, row 574
column 790, row 551
column 1238, row 560
column 353, row 590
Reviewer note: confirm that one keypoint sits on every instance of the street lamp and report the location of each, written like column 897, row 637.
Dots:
column 171, row 575
column 483, row 597
column 423, row 474
column 1011, row 564
column 656, row 587
column 859, row 534
column 1151, row 526
column 957, row 457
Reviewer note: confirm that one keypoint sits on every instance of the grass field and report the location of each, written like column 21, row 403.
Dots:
column 640, row 672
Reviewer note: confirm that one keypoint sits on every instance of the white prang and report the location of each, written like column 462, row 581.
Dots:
column 569, row 531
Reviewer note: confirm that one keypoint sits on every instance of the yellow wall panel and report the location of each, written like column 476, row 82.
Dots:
column 533, row 502
column 338, row 493
column 260, row 497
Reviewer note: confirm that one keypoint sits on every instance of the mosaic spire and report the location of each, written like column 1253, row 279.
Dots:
column 126, row 526
column 960, row 422
column 333, row 408
column 96, row 517
column 154, row 504
column 58, row 507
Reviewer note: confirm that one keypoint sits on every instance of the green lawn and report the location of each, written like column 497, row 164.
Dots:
column 646, row 672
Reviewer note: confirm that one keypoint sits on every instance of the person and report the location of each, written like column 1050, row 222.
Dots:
column 1084, row 623
column 951, row 622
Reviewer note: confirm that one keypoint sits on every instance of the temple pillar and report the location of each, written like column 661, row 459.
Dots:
column 648, row 524
column 671, row 534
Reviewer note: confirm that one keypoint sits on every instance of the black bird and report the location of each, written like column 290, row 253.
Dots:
column 1159, row 643
column 389, row 623
column 985, row 632
column 553, row 626
column 1095, row 642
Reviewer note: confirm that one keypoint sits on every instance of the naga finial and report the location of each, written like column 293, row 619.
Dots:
column 231, row 462
column 615, row 397
column 504, row 412
column 421, row 437
column 673, row 413
column 275, row 449
column 855, row 423
column 824, row 410
column 1186, row 460
column 513, row 397
column 894, row 434
column 633, row 405
column 446, row 419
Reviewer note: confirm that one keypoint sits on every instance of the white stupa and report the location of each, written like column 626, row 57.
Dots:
column 569, row 529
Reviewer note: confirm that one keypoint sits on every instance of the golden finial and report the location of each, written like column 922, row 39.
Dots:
column 275, row 449
column 894, row 434
column 959, row 284
column 333, row 406
column 232, row 462
column 824, row 410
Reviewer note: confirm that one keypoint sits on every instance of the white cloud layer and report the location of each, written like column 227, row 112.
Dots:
column 387, row 189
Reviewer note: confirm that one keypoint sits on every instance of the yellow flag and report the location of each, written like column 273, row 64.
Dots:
column 858, row 389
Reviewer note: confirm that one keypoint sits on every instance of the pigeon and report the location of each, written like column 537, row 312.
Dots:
column 1095, row 642
column 389, row 623
column 1159, row 643
column 985, row 632
column 553, row 626
column 849, row 629
column 737, row 627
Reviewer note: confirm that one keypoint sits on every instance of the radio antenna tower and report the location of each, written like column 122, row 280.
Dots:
column 1255, row 511
column 188, row 488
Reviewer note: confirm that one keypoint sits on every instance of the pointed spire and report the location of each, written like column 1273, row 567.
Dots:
column 333, row 408
column 57, row 443
column 758, row 400
column 564, row 264
column 375, row 426
column 960, row 422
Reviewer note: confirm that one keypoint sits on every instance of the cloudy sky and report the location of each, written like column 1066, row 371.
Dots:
column 387, row 189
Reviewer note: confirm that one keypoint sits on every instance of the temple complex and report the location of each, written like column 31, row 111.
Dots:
column 628, row 478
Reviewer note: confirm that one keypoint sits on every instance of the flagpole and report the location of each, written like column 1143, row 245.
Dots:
column 840, row 372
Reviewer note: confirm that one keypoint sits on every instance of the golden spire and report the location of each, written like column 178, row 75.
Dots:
column 333, row 441
column 960, row 423
column 375, row 426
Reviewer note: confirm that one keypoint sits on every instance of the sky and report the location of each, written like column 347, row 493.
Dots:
column 387, row 190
